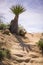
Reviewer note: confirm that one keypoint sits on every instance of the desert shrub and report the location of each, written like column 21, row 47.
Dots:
column 40, row 44
column 1, row 55
column 2, row 26
column 21, row 31
column 4, row 53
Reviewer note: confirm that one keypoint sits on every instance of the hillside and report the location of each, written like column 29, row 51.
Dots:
column 24, row 51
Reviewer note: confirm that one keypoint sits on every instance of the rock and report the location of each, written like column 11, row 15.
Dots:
column 6, row 31
column 36, row 60
column 34, row 55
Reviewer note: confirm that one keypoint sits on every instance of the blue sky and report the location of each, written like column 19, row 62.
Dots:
column 31, row 19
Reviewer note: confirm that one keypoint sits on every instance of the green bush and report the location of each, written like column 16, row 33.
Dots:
column 2, row 26
column 4, row 53
column 40, row 44
column 1, row 55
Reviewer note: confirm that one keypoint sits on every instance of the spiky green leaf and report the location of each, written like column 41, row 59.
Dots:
column 17, row 9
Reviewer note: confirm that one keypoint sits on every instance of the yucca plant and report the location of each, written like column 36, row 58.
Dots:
column 17, row 10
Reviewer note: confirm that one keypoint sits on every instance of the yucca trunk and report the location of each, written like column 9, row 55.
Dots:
column 14, row 25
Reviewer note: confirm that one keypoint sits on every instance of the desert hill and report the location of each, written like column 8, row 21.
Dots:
column 24, row 51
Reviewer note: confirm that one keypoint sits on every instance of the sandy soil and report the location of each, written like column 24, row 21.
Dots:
column 24, row 51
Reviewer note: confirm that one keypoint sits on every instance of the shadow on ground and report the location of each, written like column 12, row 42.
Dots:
column 22, row 43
